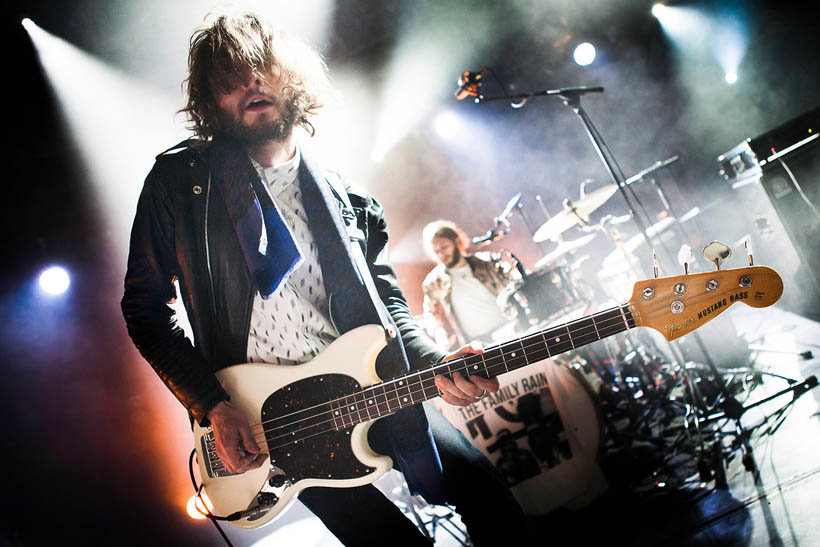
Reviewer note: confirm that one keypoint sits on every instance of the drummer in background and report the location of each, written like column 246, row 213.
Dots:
column 460, row 292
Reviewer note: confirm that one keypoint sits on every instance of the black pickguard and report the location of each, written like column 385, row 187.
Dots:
column 327, row 455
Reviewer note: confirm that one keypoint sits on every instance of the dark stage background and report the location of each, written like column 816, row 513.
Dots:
column 94, row 448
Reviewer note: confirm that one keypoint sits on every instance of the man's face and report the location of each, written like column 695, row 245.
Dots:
column 446, row 251
column 257, row 110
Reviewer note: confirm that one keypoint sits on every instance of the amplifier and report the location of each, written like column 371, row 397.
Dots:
column 785, row 164
column 744, row 163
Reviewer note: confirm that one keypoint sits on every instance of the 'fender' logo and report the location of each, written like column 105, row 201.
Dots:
column 671, row 327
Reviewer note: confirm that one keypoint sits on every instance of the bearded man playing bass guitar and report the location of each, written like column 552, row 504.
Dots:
column 258, row 236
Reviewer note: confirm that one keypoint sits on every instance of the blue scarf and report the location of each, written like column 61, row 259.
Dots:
column 270, row 251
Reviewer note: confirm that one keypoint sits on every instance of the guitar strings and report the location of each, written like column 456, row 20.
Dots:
column 292, row 438
column 536, row 337
column 649, row 311
column 498, row 363
column 494, row 362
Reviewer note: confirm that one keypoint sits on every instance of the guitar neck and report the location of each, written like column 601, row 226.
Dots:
column 388, row 397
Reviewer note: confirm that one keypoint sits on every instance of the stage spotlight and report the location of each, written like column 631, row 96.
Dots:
column 658, row 10
column 698, row 34
column 54, row 280
column 196, row 508
column 117, row 123
column 584, row 54
column 433, row 47
column 447, row 125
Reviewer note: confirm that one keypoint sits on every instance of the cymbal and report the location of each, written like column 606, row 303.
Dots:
column 574, row 212
column 565, row 247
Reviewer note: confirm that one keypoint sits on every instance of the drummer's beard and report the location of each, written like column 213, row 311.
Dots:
column 456, row 258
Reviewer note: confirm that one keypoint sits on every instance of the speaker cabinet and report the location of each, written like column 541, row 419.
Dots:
column 776, row 182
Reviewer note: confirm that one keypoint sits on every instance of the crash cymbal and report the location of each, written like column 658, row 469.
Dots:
column 573, row 213
column 564, row 248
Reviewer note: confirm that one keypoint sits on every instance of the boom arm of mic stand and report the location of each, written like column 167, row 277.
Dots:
column 519, row 100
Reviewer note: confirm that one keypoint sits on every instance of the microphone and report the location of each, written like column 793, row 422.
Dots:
column 495, row 233
column 469, row 84
column 486, row 239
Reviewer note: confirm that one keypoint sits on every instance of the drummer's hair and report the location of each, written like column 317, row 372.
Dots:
column 446, row 229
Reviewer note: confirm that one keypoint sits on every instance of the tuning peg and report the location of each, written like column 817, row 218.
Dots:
column 686, row 257
column 655, row 265
column 717, row 253
column 747, row 243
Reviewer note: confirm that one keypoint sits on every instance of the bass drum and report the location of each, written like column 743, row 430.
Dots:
column 543, row 431
column 539, row 298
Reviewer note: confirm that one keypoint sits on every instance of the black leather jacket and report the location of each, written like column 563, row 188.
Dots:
column 182, row 232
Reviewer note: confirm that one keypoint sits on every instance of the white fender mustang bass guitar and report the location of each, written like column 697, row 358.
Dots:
column 313, row 418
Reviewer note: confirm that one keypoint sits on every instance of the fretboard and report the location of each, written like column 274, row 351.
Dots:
column 383, row 399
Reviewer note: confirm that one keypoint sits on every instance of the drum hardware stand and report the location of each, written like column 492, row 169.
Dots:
column 561, row 273
column 571, row 97
column 732, row 409
column 802, row 354
column 427, row 518
column 607, row 225
column 525, row 217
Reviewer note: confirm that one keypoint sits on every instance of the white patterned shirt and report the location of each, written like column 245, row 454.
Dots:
column 292, row 326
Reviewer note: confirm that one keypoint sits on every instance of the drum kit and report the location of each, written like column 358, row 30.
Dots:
column 555, row 290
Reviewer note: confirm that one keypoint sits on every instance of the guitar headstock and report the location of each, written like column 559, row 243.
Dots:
column 678, row 305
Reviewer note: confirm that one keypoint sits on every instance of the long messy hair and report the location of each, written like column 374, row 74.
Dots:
column 221, row 53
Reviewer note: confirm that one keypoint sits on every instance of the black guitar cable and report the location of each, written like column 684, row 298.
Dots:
column 213, row 518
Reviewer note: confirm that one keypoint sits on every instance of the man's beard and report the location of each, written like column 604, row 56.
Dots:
column 456, row 257
column 275, row 129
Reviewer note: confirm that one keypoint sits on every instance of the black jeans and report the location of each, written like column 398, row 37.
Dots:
column 364, row 516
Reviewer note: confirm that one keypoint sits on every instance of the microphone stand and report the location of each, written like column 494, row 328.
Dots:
column 526, row 218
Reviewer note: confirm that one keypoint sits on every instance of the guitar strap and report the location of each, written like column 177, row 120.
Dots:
column 357, row 243
column 334, row 222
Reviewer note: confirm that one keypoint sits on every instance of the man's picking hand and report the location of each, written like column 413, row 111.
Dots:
column 234, row 441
